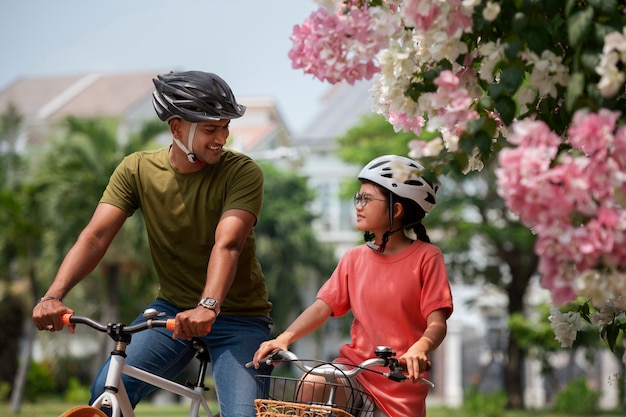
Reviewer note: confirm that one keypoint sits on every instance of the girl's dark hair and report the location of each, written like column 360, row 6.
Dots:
column 413, row 213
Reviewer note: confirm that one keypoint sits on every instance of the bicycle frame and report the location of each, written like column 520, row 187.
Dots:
column 115, row 396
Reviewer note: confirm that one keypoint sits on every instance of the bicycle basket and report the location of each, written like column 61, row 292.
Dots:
column 279, row 396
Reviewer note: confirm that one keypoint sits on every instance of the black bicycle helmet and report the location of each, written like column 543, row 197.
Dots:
column 194, row 96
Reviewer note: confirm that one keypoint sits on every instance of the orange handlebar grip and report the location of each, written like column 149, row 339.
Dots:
column 66, row 319
column 171, row 324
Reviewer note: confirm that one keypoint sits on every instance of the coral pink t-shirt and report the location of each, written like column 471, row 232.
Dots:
column 390, row 298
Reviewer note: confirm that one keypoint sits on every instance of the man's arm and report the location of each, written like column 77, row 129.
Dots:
column 83, row 257
column 231, row 234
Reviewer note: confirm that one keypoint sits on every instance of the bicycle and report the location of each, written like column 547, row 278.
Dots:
column 284, row 396
column 114, row 395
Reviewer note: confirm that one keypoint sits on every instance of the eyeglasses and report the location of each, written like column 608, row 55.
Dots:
column 361, row 199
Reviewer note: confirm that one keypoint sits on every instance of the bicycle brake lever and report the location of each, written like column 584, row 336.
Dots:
column 396, row 372
column 267, row 360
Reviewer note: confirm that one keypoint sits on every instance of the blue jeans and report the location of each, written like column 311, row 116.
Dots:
column 231, row 342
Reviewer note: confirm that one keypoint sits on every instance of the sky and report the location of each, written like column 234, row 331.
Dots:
column 244, row 41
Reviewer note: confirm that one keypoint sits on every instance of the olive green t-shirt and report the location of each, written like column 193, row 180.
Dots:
column 181, row 213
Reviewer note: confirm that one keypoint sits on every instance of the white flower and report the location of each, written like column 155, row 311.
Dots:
column 492, row 53
column 491, row 11
column 525, row 96
column 330, row 5
column 612, row 78
column 474, row 163
column 565, row 326
column 433, row 147
column 400, row 171
column 547, row 72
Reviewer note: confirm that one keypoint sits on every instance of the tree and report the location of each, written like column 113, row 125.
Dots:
column 482, row 241
column 68, row 177
column 537, row 84
column 286, row 245
column 18, row 248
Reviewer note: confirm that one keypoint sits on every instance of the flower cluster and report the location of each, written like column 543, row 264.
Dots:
column 565, row 326
column 342, row 44
column 613, row 57
column 571, row 198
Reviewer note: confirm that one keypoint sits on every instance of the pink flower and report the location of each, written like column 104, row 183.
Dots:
column 569, row 197
column 420, row 13
column 401, row 121
column 342, row 45
column 592, row 132
column 447, row 80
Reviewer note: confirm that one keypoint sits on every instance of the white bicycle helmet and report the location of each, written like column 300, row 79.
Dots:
column 400, row 176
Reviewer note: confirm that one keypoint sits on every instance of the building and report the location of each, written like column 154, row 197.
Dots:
column 342, row 108
column 127, row 98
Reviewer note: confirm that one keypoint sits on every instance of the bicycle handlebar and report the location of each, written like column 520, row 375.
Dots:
column 118, row 328
column 396, row 367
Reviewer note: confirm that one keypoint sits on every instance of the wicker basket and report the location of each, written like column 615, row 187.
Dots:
column 273, row 408
column 283, row 396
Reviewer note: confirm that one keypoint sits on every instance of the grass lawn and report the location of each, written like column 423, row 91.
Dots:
column 447, row 412
column 54, row 408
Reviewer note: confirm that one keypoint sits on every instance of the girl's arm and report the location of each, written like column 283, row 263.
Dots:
column 417, row 355
column 308, row 321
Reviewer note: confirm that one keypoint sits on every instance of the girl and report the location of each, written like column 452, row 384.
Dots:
column 395, row 284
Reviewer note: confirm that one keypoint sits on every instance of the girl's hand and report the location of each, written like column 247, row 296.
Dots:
column 417, row 362
column 267, row 348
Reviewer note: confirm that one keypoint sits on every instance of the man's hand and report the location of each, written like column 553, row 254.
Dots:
column 48, row 314
column 194, row 323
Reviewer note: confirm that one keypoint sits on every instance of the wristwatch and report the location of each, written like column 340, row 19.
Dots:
column 211, row 304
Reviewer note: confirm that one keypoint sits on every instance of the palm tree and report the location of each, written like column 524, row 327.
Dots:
column 69, row 177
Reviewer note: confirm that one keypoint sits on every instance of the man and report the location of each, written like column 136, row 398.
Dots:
column 200, row 203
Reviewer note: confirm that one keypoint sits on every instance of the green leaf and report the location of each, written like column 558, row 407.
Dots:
column 483, row 142
column 495, row 90
column 589, row 59
column 512, row 48
column 611, row 336
column 575, row 88
column 579, row 25
column 473, row 126
column 520, row 21
column 506, row 108
column 511, row 78
column 537, row 38
column 604, row 6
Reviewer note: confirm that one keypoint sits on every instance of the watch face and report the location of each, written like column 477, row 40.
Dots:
column 209, row 302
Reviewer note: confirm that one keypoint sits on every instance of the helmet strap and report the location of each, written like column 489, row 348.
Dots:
column 369, row 237
column 191, row 157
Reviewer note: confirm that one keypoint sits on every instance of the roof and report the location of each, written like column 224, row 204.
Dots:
column 343, row 107
column 44, row 100
column 85, row 95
